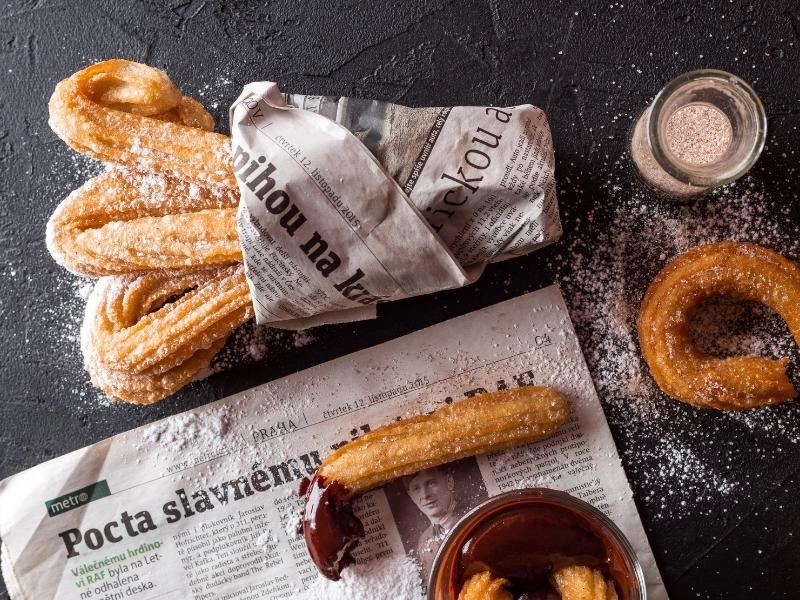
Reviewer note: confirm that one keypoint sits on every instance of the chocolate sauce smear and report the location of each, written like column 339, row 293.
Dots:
column 526, row 545
column 330, row 527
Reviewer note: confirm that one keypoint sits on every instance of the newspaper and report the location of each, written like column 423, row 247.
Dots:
column 346, row 203
column 204, row 504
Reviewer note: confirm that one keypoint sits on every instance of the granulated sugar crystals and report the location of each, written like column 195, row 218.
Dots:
column 698, row 134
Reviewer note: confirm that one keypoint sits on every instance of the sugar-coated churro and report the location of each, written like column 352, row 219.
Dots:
column 477, row 425
column 125, row 221
column 144, row 336
column 129, row 114
column 684, row 372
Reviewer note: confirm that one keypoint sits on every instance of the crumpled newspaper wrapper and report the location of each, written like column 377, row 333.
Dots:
column 347, row 203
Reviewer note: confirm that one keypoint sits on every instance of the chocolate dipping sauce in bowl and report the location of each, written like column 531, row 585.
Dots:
column 524, row 536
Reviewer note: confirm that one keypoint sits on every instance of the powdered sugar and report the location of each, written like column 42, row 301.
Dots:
column 292, row 524
column 391, row 577
column 604, row 275
column 190, row 430
column 84, row 289
column 303, row 338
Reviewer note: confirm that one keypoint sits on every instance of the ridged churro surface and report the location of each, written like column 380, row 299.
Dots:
column 126, row 221
column 145, row 336
column 680, row 369
column 477, row 425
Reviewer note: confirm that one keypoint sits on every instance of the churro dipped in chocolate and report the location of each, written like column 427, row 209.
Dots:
column 477, row 425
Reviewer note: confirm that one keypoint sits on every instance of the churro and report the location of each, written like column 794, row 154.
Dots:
column 145, row 336
column 477, row 425
column 132, row 115
column 483, row 586
column 681, row 370
column 577, row 582
column 125, row 221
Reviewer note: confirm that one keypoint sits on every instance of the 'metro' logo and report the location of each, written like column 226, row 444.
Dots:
column 67, row 502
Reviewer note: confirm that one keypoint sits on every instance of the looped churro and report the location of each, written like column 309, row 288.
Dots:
column 163, row 221
column 681, row 370
column 124, row 221
column 132, row 115
column 477, row 425
column 145, row 336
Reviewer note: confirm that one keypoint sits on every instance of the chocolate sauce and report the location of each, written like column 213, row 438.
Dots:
column 330, row 527
column 526, row 544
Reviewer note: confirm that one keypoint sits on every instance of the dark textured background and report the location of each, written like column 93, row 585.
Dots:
column 585, row 63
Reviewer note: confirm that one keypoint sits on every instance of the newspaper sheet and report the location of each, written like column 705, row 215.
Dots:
column 346, row 203
column 204, row 505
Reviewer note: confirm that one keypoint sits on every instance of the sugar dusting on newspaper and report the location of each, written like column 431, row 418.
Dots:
column 204, row 504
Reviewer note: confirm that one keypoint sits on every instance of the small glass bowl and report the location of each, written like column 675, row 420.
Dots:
column 445, row 584
column 661, row 169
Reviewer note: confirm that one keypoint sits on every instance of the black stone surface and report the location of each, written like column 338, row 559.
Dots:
column 583, row 62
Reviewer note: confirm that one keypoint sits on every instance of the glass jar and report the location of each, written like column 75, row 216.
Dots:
column 706, row 128
column 445, row 579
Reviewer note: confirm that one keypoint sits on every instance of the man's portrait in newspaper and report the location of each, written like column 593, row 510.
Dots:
column 428, row 504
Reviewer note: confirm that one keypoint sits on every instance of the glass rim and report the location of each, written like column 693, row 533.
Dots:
column 559, row 497
column 695, row 176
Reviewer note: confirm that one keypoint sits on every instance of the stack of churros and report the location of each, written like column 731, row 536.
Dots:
column 158, row 228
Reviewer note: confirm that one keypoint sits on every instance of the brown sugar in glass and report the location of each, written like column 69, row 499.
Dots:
column 704, row 129
column 541, row 530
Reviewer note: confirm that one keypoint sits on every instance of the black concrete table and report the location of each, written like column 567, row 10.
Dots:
column 591, row 65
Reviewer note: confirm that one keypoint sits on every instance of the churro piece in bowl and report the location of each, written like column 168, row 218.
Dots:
column 680, row 369
column 484, row 586
column 577, row 582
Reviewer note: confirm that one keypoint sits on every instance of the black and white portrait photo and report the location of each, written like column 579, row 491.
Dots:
column 428, row 504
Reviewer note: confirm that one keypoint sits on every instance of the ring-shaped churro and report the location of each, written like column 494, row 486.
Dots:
column 679, row 368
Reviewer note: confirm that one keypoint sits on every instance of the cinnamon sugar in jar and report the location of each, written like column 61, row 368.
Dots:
column 704, row 129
